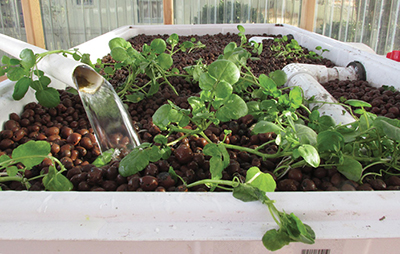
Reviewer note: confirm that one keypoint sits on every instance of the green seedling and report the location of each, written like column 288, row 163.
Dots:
column 155, row 60
column 27, row 75
column 291, row 49
column 24, row 158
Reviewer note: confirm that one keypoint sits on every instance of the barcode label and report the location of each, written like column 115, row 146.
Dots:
column 316, row 251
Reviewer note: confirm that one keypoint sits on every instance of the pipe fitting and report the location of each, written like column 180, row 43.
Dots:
column 308, row 76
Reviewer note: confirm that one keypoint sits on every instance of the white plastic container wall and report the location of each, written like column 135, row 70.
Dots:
column 65, row 222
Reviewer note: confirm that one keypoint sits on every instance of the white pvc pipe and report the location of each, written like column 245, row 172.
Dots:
column 324, row 74
column 306, row 76
column 57, row 66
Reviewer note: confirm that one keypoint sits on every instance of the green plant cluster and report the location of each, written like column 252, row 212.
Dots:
column 291, row 49
column 25, row 71
column 25, row 157
column 155, row 60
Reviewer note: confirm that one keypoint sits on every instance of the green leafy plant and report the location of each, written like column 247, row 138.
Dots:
column 155, row 60
column 367, row 142
column 27, row 75
column 314, row 55
column 291, row 49
column 218, row 102
column 24, row 158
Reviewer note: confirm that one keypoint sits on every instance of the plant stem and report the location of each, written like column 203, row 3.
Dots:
column 264, row 156
column 165, row 78
column 11, row 179
column 213, row 181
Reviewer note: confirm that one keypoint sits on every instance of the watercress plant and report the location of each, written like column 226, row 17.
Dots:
column 25, row 157
column 155, row 60
column 27, row 74
column 290, row 49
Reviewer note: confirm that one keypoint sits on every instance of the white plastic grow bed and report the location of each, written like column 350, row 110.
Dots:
column 76, row 222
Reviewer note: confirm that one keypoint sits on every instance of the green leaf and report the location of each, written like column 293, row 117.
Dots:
column 14, row 61
column 174, row 116
column 265, row 127
column 274, row 240
column 223, row 90
column 329, row 141
column 351, row 169
column 234, row 108
column 119, row 54
column 38, row 73
column 161, row 139
column 108, row 70
column 5, row 59
column 55, row 181
column 309, row 154
column 206, row 82
column 31, row 153
column 160, row 117
column 165, row 61
column 158, row 46
column 44, row 81
column 173, row 39
column 296, row 230
column 253, row 106
column 48, row 97
column 185, row 120
column 15, row 73
column 240, row 28
column 224, row 70
column 358, row 103
column 135, row 97
column 104, row 158
column 135, row 161
column 71, row 90
column 28, row 58
column 216, row 167
column 325, row 121
column 173, row 174
column 305, row 134
column 263, row 181
column 225, row 155
column 12, row 171
column 295, row 97
column 119, row 42
column 267, row 83
column 153, row 88
column 245, row 193
column 388, row 127
column 4, row 158
column 21, row 87
column 211, row 149
column 86, row 59
column 186, row 45
column 166, row 152
column 197, row 104
column 154, row 154
column 230, row 47
column 279, row 77
column 76, row 57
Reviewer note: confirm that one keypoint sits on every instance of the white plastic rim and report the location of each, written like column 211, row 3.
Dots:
column 344, row 222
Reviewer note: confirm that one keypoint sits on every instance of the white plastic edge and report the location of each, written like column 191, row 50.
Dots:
column 153, row 216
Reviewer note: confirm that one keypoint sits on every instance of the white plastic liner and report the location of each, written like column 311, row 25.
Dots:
column 87, row 222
